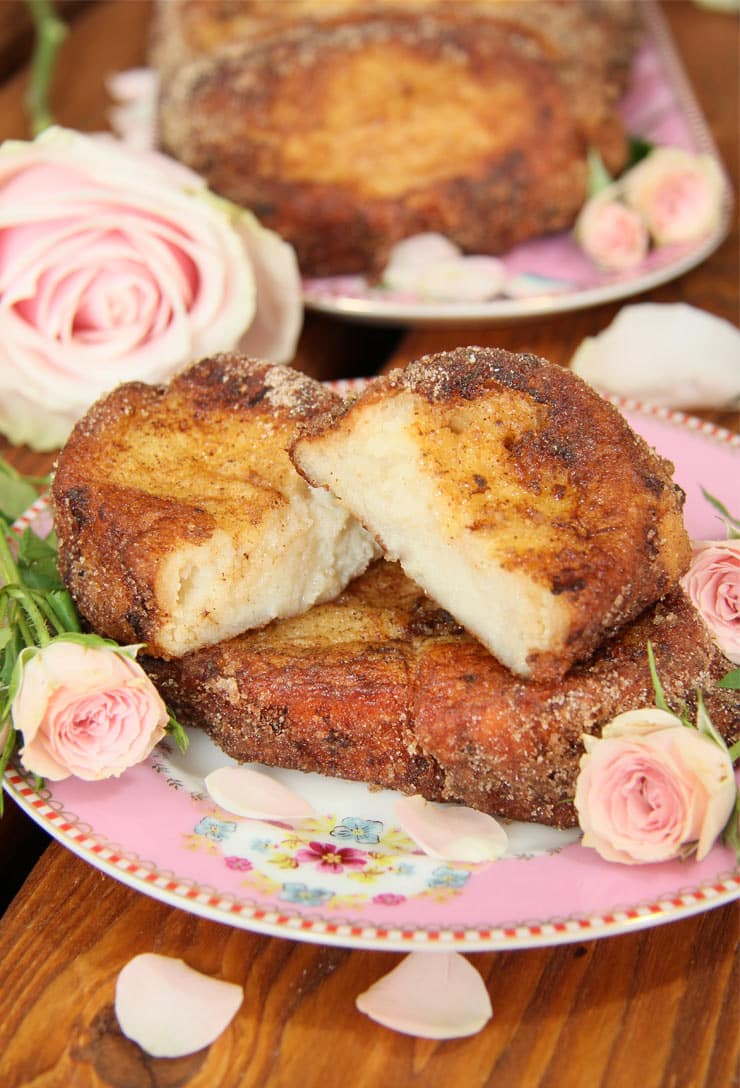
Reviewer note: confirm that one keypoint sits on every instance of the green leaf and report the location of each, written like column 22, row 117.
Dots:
column 599, row 177
column 660, row 699
column 730, row 680
column 175, row 730
column 705, row 724
column 15, row 497
column 37, row 563
column 733, row 521
column 639, row 149
column 61, row 601
column 731, row 833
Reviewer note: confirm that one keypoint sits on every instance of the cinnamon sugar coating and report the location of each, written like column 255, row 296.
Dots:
column 382, row 686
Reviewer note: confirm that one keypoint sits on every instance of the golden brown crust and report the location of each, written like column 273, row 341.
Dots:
column 382, row 686
column 338, row 137
column 546, row 473
column 150, row 469
column 589, row 43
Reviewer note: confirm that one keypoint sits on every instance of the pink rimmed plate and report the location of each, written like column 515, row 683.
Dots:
column 350, row 876
column 551, row 274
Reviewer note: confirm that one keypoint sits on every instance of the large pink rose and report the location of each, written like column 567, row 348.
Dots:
column 678, row 195
column 713, row 585
column 117, row 265
column 651, row 788
column 611, row 234
column 85, row 711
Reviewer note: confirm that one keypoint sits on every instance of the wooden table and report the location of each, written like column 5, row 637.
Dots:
column 655, row 1007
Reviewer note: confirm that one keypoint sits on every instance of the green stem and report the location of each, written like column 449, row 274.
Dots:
column 25, row 602
column 8, row 569
column 50, row 33
column 49, row 614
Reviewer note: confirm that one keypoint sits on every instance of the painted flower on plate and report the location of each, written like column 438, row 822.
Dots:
column 364, row 831
column 446, row 877
column 294, row 892
column 216, row 830
column 330, row 858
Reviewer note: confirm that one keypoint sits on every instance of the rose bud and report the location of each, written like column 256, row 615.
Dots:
column 678, row 195
column 651, row 789
column 712, row 583
column 88, row 711
column 611, row 234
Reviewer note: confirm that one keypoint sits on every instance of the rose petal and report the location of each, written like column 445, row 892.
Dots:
column 457, row 279
column 673, row 354
column 422, row 249
column 436, row 995
column 171, row 1010
column 256, row 795
column 278, row 319
column 453, row 832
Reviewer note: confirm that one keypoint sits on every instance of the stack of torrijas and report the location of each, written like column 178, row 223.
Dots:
column 544, row 538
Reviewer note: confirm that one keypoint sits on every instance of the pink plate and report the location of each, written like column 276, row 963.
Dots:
column 350, row 876
column 660, row 108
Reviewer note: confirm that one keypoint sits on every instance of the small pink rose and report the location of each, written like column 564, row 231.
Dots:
column 611, row 234
column 678, row 195
column 712, row 583
column 651, row 788
column 117, row 266
column 85, row 711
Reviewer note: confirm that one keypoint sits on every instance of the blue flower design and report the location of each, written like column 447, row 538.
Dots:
column 404, row 869
column 351, row 827
column 262, row 845
column 296, row 892
column 445, row 877
column 216, row 830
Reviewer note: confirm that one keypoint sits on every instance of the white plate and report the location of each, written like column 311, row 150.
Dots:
column 351, row 877
column 659, row 107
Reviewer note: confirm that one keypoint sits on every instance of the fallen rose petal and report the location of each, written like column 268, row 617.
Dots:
column 453, row 832
column 457, row 279
column 670, row 354
column 171, row 1010
column 435, row 995
column 422, row 249
column 246, row 792
column 133, row 115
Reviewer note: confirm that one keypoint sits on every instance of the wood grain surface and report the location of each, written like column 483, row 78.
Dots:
column 656, row 1008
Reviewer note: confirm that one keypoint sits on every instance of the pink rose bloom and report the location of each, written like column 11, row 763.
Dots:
column 679, row 195
column 611, row 234
column 651, row 789
column 117, row 265
column 85, row 711
column 713, row 585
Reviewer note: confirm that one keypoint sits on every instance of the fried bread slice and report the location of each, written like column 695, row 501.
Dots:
column 346, row 138
column 515, row 495
column 180, row 518
column 381, row 685
column 590, row 43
